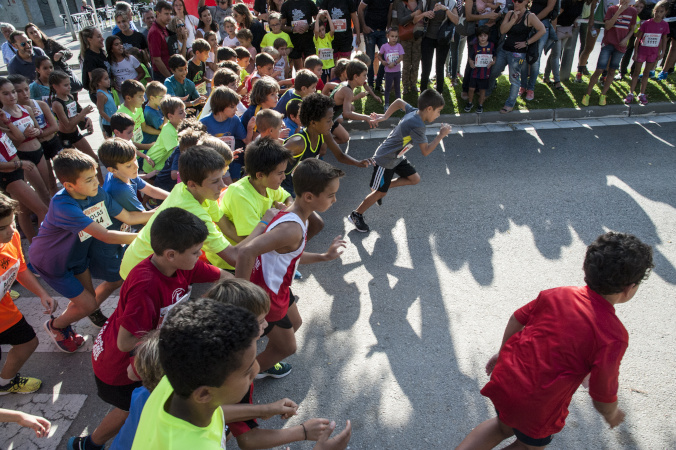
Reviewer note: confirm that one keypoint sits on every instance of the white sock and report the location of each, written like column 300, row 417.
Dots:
column 5, row 382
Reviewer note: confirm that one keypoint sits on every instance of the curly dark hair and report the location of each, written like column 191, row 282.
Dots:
column 615, row 261
column 313, row 108
column 202, row 342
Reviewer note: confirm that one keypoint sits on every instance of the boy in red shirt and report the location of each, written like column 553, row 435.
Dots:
column 551, row 344
column 150, row 291
column 14, row 330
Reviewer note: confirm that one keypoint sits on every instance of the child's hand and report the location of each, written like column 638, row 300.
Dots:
column 445, row 130
column 150, row 174
column 373, row 123
column 50, row 304
column 338, row 442
column 378, row 117
column 269, row 214
column 149, row 160
column 27, row 166
column 39, row 424
column 315, row 427
column 31, row 132
column 89, row 126
column 237, row 152
column 361, row 95
column 284, row 133
column 279, row 206
column 616, row 419
column 490, row 365
column 88, row 109
column 285, row 408
column 251, row 125
column 334, row 250
column 364, row 163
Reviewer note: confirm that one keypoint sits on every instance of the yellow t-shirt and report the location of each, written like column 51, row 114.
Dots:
column 325, row 50
column 270, row 38
column 179, row 197
column 157, row 429
column 137, row 117
column 163, row 147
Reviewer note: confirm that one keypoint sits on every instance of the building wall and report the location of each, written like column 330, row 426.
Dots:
column 20, row 12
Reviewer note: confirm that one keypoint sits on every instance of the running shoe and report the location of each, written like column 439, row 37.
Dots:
column 652, row 74
column 522, row 91
column 663, row 75
column 530, row 95
column 585, row 100
column 21, row 385
column 643, row 99
column 66, row 339
column 98, row 318
column 479, row 109
column 358, row 221
column 468, row 107
column 602, row 100
column 80, row 443
column 584, row 71
column 279, row 370
column 578, row 77
column 629, row 99
column 297, row 275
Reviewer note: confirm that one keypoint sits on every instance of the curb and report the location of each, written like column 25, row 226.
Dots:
column 535, row 115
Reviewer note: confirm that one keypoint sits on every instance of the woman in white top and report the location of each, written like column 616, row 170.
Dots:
column 207, row 24
column 191, row 22
column 123, row 66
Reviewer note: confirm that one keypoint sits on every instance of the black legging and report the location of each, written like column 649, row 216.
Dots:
column 427, row 53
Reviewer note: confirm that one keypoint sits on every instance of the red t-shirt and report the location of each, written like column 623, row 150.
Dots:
column 239, row 428
column 157, row 44
column 623, row 25
column 11, row 264
column 145, row 299
column 569, row 332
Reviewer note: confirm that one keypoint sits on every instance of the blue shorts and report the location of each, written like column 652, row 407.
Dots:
column 105, row 260
column 65, row 284
column 609, row 53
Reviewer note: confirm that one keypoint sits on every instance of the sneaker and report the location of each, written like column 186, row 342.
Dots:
column 80, row 443
column 629, row 99
column 602, row 100
column 32, row 269
column 297, row 275
column 21, row 385
column 358, row 221
column 643, row 99
column 66, row 339
column 530, row 95
column 14, row 294
column 379, row 202
column 98, row 318
column 279, row 370
column 585, row 100
column 522, row 91
column 469, row 107
column 652, row 74
column 578, row 77
column 619, row 76
column 663, row 75
column 479, row 109
column 584, row 70
column 602, row 80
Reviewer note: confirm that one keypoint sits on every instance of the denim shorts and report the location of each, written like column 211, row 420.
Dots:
column 609, row 53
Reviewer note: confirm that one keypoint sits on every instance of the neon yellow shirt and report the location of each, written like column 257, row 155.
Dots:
column 270, row 38
column 137, row 117
column 325, row 50
column 162, row 148
column 157, row 429
column 179, row 197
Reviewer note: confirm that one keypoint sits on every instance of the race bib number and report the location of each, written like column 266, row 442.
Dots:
column 230, row 140
column 405, row 149
column 23, row 123
column 99, row 214
column 339, row 25
column 138, row 135
column 9, row 147
column 483, row 60
column 298, row 22
column 41, row 120
column 8, row 278
column 652, row 39
column 392, row 57
column 325, row 54
column 71, row 109
column 202, row 88
column 177, row 297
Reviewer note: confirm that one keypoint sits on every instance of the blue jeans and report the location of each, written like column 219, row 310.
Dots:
column 528, row 81
column 374, row 38
column 609, row 54
column 516, row 62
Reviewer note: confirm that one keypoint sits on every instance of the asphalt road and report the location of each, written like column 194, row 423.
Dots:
column 396, row 333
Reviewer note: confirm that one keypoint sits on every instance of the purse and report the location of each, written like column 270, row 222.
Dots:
column 406, row 32
column 533, row 50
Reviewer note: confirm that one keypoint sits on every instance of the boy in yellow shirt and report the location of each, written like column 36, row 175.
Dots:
column 173, row 109
column 323, row 41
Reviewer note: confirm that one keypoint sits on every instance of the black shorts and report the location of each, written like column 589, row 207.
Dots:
column 52, row 147
column 535, row 442
column 478, row 83
column 118, row 396
column 107, row 129
column 284, row 322
column 7, row 178
column 34, row 156
column 334, row 126
column 303, row 51
column 70, row 139
column 382, row 177
column 17, row 334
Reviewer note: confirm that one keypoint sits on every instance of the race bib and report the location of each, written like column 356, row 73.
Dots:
column 125, row 228
column 483, row 60
column 9, row 147
column 230, row 140
column 8, row 278
column 71, row 109
column 23, row 123
column 99, row 214
column 325, row 54
column 298, row 22
column 652, row 40
column 177, row 297
column 201, row 88
column 405, row 149
column 339, row 25
column 392, row 57
column 138, row 135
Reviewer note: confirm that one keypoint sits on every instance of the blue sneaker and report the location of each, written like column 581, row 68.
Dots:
column 652, row 74
column 32, row 269
column 297, row 275
column 663, row 75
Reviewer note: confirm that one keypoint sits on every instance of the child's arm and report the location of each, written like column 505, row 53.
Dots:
column 368, row 89
column 610, row 412
column 242, row 412
column 624, row 4
column 126, row 341
column 37, row 423
column 334, row 251
column 134, row 217
column 230, row 253
column 12, row 131
column 101, row 101
column 109, row 236
column 139, row 152
column 395, row 106
column 348, row 113
column 28, row 280
column 70, row 123
column 311, row 430
column 513, row 327
column 332, row 28
column 316, row 30
column 230, row 231
column 250, row 130
column 341, row 157
column 150, row 129
column 52, row 126
column 287, row 82
column 639, row 36
column 426, row 149
column 154, row 192
column 338, row 442
column 283, row 238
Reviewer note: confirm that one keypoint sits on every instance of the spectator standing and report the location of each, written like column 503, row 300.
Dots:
column 191, row 22
column 126, row 8
column 544, row 9
column 8, row 50
column 24, row 61
column 297, row 15
column 570, row 11
column 343, row 14
column 219, row 12
column 374, row 25
column 206, row 24
column 406, row 10
column 157, row 41
column 148, row 20
column 435, row 12
column 92, row 55
column 245, row 19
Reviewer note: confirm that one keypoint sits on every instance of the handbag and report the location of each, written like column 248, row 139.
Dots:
column 406, row 32
column 446, row 32
column 533, row 50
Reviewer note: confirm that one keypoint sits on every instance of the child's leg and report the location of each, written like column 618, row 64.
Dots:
column 109, row 426
column 51, row 179
column 405, row 181
column 314, row 226
column 17, row 357
column 294, row 317
column 634, row 77
column 84, row 147
column 470, row 94
column 397, row 85
column 78, row 308
column 486, row 435
column 646, row 75
column 30, row 201
column 34, row 177
column 389, row 79
column 370, row 200
column 592, row 80
column 281, row 343
column 44, row 173
column 340, row 135
column 482, row 96
column 610, row 77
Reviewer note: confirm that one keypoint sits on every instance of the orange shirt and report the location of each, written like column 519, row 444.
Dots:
column 11, row 264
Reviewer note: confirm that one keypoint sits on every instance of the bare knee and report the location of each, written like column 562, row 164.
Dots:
column 414, row 179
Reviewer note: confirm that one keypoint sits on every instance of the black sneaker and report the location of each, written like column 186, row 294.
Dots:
column 358, row 221
column 77, row 443
column 279, row 370
column 379, row 202
column 584, row 70
column 98, row 318
column 479, row 109
column 469, row 107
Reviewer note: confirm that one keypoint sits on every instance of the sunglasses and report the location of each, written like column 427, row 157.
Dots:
column 519, row 1
column 23, row 44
